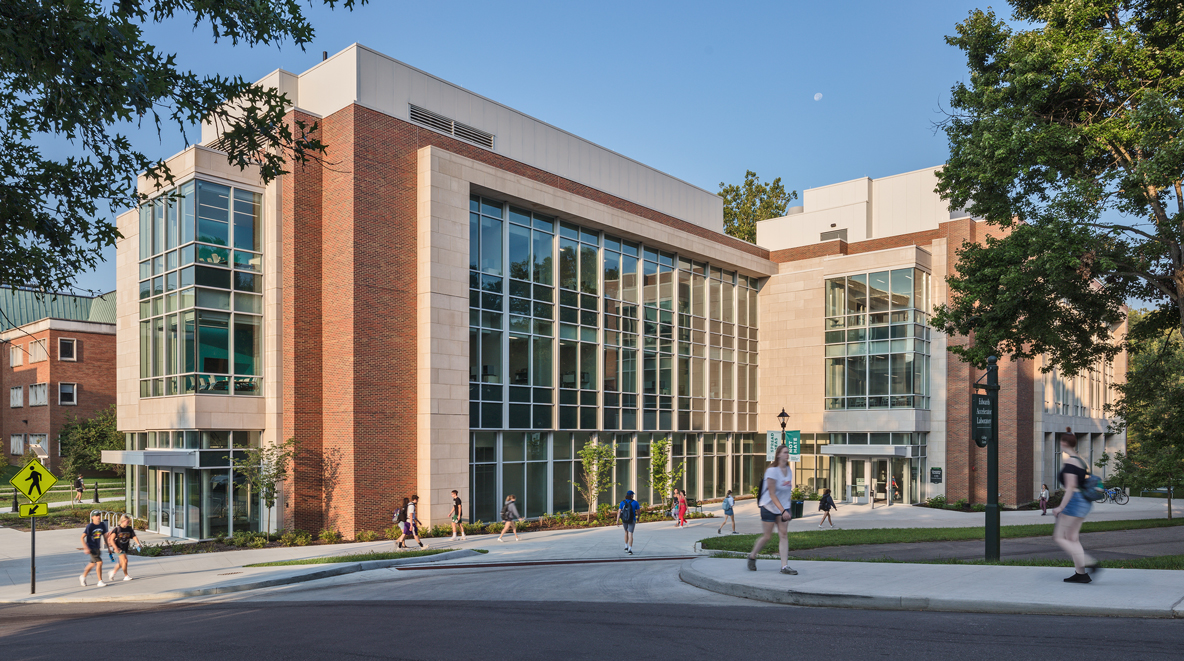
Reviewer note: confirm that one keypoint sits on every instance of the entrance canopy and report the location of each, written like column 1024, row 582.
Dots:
column 866, row 450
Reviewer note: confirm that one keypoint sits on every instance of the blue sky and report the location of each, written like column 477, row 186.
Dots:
column 701, row 90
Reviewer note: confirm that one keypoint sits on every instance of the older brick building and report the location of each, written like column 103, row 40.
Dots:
column 460, row 296
column 59, row 364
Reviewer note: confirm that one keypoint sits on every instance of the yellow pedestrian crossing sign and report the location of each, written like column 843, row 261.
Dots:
column 34, row 480
column 34, row 509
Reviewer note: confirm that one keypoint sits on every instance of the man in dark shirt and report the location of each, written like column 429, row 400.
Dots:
column 456, row 517
column 92, row 538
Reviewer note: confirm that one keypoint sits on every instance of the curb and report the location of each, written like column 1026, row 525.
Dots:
column 698, row 579
column 338, row 569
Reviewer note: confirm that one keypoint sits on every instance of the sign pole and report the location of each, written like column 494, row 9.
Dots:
column 33, row 556
column 992, row 532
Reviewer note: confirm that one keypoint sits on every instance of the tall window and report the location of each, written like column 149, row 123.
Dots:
column 16, row 397
column 16, row 355
column 201, row 287
column 39, row 394
column 37, row 351
column 16, row 444
column 877, row 340
column 66, row 349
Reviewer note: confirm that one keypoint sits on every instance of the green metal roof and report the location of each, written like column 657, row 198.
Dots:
column 24, row 306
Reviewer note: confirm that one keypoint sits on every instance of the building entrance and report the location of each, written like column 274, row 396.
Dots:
column 170, row 504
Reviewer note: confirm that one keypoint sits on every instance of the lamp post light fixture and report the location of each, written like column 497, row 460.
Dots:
column 783, row 418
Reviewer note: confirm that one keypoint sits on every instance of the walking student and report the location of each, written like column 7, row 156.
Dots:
column 92, row 539
column 627, row 516
column 404, row 518
column 826, row 504
column 78, row 488
column 682, row 509
column 456, row 517
column 510, row 516
column 776, row 492
column 1043, row 499
column 123, row 536
column 729, row 504
column 1072, row 511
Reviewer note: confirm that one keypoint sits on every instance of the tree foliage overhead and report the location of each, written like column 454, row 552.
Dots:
column 1067, row 138
column 746, row 204
column 79, row 72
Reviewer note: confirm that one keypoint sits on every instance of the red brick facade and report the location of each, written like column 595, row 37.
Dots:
column 349, row 300
column 93, row 370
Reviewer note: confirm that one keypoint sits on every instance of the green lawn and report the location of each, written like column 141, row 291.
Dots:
column 60, row 517
column 355, row 557
column 813, row 539
column 88, row 496
column 1171, row 562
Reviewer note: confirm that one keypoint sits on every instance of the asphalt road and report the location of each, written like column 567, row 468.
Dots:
column 629, row 611
column 562, row 630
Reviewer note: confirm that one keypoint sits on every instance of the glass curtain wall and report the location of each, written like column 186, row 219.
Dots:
column 577, row 335
column 201, row 287
column 877, row 340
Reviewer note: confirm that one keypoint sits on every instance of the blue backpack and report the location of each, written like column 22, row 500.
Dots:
column 628, row 512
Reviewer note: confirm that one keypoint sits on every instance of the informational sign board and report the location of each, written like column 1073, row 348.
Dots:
column 34, row 480
column 790, row 438
column 982, row 415
column 34, row 509
column 935, row 476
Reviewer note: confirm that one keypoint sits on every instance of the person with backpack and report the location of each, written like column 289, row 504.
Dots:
column 627, row 515
column 1072, row 511
column 92, row 538
column 825, row 505
column 79, row 485
column 729, row 513
column 776, row 491
column 405, row 517
column 510, row 516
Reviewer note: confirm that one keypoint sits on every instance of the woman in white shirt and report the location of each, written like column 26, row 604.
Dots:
column 776, row 492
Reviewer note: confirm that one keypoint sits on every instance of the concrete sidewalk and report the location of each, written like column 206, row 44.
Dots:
column 955, row 588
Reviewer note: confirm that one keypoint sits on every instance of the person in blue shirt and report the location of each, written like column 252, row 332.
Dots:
column 627, row 515
column 92, row 539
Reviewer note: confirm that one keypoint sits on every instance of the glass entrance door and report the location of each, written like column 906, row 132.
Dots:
column 170, row 500
column 879, row 479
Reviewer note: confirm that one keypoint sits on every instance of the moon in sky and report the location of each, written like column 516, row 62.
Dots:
column 818, row 96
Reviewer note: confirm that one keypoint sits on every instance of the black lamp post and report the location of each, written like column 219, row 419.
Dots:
column 783, row 418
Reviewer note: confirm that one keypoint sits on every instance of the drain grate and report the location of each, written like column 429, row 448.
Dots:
column 230, row 573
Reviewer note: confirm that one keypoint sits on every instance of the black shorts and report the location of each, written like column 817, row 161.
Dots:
column 95, row 556
column 769, row 516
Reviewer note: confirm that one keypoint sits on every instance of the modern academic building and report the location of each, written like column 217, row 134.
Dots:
column 459, row 296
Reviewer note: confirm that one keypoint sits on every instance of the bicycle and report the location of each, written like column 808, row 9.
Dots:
column 1117, row 496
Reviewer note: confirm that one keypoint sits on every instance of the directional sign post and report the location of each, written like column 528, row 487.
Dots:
column 984, row 430
column 34, row 509
column 34, row 480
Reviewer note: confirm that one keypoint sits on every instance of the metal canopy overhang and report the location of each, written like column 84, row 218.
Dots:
column 866, row 450
column 159, row 457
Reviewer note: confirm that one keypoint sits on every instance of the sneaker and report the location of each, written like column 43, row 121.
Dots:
column 1078, row 578
column 752, row 564
column 453, row 538
column 500, row 539
column 630, row 551
column 82, row 580
column 820, row 525
column 1094, row 567
column 102, row 584
column 127, row 578
column 735, row 533
column 786, row 570
column 111, row 576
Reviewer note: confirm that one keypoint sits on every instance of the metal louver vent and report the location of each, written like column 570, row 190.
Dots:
column 443, row 124
column 841, row 235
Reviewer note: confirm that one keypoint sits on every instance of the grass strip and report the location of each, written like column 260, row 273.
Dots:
column 61, row 517
column 812, row 539
column 1165, row 562
column 355, row 557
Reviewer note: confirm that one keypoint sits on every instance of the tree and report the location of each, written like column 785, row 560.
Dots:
column 76, row 71
column 752, row 201
column 82, row 443
column 596, row 461
column 265, row 469
column 1068, row 138
column 663, row 475
column 1150, row 407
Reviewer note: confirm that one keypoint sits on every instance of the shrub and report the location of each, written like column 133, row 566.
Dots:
column 303, row 539
column 365, row 536
column 289, row 538
column 978, row 507
column 392, row 532
column 493, row 528
column 961, row 503
column 258, row 542
column 151, row 550
column 936, row 501
column 329, row 536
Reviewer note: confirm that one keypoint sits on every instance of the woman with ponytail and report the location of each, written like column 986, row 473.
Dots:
column 1072, row 511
